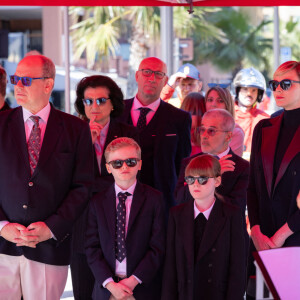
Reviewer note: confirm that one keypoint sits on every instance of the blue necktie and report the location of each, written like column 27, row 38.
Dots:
column 120, row 227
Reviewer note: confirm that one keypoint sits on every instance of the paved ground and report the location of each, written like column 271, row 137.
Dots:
column 68, row 293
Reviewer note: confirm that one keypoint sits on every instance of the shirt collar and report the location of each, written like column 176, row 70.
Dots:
column 129, row 190
column 220, row 155
column 104, row 130
column 43, row 113
column 206, row 213
column 153, row 106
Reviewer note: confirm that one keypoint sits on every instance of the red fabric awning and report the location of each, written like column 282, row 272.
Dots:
column 150, row 3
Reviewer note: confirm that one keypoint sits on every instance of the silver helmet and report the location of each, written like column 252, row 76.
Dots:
column 250, row 77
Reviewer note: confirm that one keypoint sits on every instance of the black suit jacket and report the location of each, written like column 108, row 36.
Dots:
column 59, row 188
column 267, row 207
column 171, row 140
column 221, row 255
column 145, row 240
column 233, row 188
column 116, row 129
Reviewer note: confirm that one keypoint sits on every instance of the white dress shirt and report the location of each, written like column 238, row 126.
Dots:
column 99, row 144
column 135, row 112
column 206, row 213
column 121, row 266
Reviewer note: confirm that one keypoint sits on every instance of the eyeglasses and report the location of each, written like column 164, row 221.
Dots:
column 99, row 101
column 210, row 131
column 201, row 179
column 26, row 81
column 285, row 84
column 118, row 163
column 148, row 73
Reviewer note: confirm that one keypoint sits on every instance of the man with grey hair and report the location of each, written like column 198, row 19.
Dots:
column 216, row 133
column 3, row 80
column 46, row 160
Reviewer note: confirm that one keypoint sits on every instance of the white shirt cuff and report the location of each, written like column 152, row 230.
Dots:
column 2, row 224
column 107, row 281
column 139, row 281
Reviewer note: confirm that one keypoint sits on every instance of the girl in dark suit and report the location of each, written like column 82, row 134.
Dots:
column 205, row 256
column 99, row 100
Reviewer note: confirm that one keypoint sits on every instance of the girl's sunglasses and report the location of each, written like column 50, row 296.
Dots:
column 201, row 179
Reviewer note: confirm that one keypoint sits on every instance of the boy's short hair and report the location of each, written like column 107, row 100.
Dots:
column 203, row 165
column 122, row 142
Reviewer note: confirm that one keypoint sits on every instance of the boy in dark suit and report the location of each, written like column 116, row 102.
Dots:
column 125, row 239
column 205, row 257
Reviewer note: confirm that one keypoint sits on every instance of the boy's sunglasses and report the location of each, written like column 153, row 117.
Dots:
column 118, row 163
column 201, row 179
column 285, row 84
column 99, row 101
column 26, row 81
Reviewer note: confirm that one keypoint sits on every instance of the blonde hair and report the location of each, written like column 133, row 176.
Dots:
column 120, row 143
column 225, row 95
column 203, row 165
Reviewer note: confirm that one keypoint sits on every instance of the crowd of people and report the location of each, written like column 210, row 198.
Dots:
column 145, row 198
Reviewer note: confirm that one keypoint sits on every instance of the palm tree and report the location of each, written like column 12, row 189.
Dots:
column 95, row 31
column 241, row 44
column 98, row 30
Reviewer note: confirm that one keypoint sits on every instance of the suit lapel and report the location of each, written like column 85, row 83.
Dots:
column 138, row 200
column 109, row 207
column 292, row 150
column 212, row 230
column 54, row 129
column 127, row 111
column 186, row 231
column 17, row 128
column 112, row 133
column 269, row 141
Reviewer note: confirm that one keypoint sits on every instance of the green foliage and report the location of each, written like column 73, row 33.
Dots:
column 240, row 44
column 98, row 32
column 290, row 37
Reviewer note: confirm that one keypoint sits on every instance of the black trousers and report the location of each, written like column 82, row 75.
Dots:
column 82, row 277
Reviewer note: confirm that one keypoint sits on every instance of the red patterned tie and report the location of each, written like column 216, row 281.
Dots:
column 34, row 143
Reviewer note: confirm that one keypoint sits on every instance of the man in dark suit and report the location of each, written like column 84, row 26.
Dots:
column 3, row 80
column 216, row 132
column 164, row 130
column 46, row 172
column 274, row 167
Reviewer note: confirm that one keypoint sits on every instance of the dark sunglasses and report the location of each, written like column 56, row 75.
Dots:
column 285, row 84
column 99, row 101
column 210, row 131
column 118, row 163
column 148, row 73
column 26, row 81
column 201, row 179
